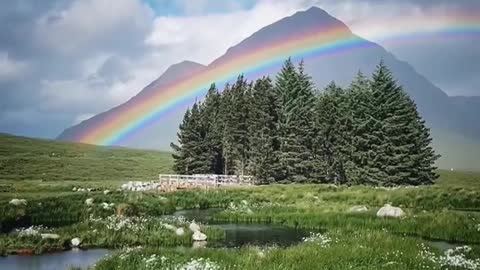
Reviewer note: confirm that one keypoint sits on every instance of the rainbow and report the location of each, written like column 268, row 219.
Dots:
column 321, row 42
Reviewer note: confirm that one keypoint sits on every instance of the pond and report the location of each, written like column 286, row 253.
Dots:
column 443, row 245
column 237, row 235
column 54, row 261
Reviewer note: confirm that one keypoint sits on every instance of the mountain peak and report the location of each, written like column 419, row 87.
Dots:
column 314, row 10
column 312, row 19
column 179, row 70
column 182, row 66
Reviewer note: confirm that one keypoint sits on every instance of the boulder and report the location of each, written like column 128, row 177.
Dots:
column 49, row 236
column 199, row 236
column 89, row 201
column 390, row 211
column 194, row 227
column 180, row 231
column 75, row 242
column 18, row 202
column 358, row 209
column 106, row 191
column 199, row 244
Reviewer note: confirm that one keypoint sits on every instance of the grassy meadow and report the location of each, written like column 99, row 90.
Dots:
column 44, row 160
column 447, row 213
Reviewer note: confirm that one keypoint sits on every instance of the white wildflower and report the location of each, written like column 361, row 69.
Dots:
column 199, row 264
column 322, row 239
column 18, row 202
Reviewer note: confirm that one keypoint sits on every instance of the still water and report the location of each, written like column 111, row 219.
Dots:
column 236, row 235
column 54, row 261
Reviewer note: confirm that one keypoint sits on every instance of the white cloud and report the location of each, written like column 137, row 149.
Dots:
column 9, row 68
column 93, row 23
column 86, row 56
column 203, row 38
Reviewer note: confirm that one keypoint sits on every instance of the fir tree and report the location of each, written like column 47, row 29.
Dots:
column 189, row 156
column 296, row 111
column 359, row 168
column 264, row 146
column 330, row 123
column 403, row 137
column 370, row 133
column 235, row 133
column 212, row 123
column 180, row 154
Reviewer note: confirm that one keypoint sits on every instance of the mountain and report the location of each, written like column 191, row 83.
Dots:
column 159, row 136
column 441, row 111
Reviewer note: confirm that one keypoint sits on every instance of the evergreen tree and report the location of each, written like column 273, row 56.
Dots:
column 264, row 146
column 332, row 134
column 190, row 155
column 212, row 123
column 422, row 157
column 370, row 133
column 180, row 153
column 403, row 137
column 296, row 111
column 359, row 167
column 235, row 133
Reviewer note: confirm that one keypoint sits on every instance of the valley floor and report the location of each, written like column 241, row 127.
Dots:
column 441, row 229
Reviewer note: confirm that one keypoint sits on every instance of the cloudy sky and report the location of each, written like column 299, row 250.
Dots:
column 62, row 61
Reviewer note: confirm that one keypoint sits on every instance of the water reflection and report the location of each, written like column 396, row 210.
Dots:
column 54, row 261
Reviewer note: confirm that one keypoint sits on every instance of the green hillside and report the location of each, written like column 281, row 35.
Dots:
column 34, row 159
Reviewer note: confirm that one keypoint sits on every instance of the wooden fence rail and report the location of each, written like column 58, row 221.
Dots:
column 205, row 180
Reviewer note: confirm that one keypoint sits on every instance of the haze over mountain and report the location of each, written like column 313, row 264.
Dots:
column 455, row 114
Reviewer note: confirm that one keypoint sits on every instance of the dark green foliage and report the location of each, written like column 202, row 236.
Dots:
column 332, row 133
column 403, row 154
column 369, row 133
column 191, row 157
column 295, row 123
column 264, row 139
column 212, row 124
column 235, row 133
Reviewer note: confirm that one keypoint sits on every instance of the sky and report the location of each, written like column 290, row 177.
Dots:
column 63, row 61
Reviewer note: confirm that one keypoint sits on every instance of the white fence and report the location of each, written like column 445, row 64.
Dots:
column 205, row 180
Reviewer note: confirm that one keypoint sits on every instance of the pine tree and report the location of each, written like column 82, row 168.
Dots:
column 235, row 131
column 403, row 137
column 370, row 133
column 264, row 146
column 180, row 153
column 211, row 122
column 359, row 168
column 190, row 156
column 422, row 157
column 284, row 85
column 296, row 111
column 305, row 117
column 332, row 133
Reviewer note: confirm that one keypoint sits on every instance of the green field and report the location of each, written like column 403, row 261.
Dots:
column 45, row 160
column 448, row 211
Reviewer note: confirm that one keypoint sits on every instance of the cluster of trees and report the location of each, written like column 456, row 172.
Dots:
column 286, row 131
